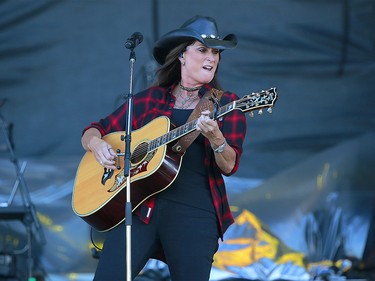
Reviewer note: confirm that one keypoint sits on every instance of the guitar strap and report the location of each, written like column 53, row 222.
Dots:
column 209, row 101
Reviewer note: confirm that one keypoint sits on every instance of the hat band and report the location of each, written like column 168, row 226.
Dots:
column 204, row 36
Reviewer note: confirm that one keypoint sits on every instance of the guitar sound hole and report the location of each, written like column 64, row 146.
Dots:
column 139, row 153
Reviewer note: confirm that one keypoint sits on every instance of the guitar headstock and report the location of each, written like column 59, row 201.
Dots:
column 258, row 101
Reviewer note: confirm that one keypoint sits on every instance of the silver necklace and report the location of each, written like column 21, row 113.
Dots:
column 184, row 102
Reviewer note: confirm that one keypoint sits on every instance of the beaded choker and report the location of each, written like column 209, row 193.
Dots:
column 188, row 89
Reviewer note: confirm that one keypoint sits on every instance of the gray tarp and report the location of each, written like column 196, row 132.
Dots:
column 63, row 64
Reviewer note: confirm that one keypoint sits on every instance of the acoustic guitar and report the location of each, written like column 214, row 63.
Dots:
column 99, row 194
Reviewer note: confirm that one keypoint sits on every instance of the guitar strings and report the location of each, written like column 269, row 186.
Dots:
column 144, row 149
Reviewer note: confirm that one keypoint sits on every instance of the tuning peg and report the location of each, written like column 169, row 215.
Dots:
column 269, row 110
column 251, row 114
column 260, row 112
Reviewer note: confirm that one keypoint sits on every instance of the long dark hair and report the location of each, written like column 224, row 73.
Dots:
column 170, row 72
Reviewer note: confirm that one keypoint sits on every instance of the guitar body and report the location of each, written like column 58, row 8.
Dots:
column 99, row 198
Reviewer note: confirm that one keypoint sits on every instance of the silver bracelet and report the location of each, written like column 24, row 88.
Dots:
column 220, row 148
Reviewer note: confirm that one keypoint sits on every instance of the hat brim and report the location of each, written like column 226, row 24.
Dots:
column 175, row 37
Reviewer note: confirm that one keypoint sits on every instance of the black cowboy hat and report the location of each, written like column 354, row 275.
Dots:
column 203, row 29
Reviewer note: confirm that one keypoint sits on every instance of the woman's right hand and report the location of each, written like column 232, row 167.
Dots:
column 103, row 152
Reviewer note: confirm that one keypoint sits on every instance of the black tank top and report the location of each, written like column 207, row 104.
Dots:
column 191, row 186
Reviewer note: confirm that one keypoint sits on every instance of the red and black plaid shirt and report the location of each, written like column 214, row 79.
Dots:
column 158, row 101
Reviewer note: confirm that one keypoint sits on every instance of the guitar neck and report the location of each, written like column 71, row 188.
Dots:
column 249, row 103
column 186, row 128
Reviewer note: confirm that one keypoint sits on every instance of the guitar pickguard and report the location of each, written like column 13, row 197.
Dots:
column 106, row 175
column 135, row 169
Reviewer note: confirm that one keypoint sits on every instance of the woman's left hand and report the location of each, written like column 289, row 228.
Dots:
column 210, row 129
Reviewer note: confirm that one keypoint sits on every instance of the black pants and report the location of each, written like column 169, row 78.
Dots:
column 187, row 235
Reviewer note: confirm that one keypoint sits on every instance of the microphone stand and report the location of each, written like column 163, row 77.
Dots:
column 127, row 156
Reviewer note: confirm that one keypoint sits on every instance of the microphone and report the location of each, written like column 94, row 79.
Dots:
column 134, row 40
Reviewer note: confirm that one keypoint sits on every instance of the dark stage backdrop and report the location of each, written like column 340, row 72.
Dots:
column 63, row 64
